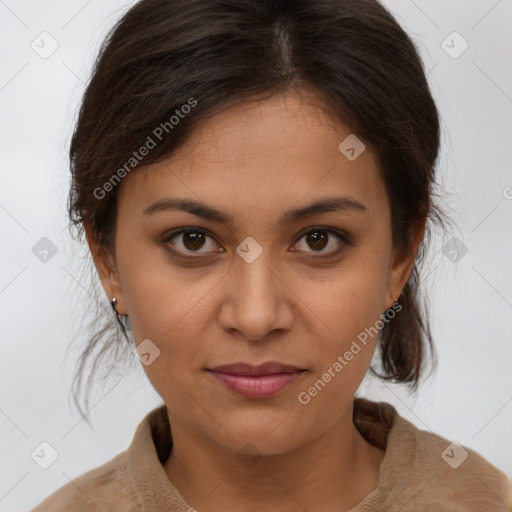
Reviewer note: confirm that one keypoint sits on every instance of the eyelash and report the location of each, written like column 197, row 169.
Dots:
column 344, row 238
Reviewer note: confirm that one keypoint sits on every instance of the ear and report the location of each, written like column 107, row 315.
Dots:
column 106, row 268
column 402, row 263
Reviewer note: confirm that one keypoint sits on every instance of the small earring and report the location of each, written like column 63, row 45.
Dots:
column 113, row 303
column 121, row 318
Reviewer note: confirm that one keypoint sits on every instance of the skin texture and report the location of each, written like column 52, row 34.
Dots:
column 254, row 162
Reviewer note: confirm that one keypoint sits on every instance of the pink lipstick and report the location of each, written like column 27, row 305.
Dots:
column 260, row 381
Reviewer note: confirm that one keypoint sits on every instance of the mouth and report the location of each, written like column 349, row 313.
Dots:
column 262, row 381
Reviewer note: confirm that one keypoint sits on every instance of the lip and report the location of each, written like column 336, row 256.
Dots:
column 260, row 381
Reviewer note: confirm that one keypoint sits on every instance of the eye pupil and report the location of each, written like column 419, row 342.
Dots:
column 317, row 237
column 193, row 240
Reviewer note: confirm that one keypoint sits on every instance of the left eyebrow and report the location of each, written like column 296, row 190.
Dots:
column 324, row 205
column 342, row 204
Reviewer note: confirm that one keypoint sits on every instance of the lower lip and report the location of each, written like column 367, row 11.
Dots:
column 261, row 386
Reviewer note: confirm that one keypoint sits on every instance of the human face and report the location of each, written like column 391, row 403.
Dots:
column 255, row 288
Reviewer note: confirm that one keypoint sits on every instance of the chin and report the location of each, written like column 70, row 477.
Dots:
column 273, row 433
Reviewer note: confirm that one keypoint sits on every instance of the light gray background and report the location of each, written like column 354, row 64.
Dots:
column 469, row 400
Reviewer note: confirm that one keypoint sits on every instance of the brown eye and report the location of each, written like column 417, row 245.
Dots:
column 193, row 240
column 318, row 239
column 190, row 240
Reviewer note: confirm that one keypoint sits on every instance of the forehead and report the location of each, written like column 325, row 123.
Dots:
column 278, row 150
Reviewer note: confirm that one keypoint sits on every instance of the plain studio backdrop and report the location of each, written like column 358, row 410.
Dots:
column 466, row 46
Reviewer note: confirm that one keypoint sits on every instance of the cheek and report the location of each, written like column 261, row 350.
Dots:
column 172, row 312
column 158, row 293
column 348, row 308
column 172, row 307
column 349, row 300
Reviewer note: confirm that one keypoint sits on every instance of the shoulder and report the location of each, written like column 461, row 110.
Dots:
column 422, row 470
column 109, row 485
column 447, row 473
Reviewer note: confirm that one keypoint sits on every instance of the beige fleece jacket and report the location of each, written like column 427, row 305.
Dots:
column 420, row 472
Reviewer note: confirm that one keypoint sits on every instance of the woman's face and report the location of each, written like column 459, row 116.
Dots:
column 257, row 282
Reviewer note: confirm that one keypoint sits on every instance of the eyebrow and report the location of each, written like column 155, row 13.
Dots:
column 324, row 205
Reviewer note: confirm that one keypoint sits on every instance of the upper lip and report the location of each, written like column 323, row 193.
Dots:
column 268, row 368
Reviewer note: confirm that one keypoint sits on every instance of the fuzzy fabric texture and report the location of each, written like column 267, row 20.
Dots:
column 420, row 472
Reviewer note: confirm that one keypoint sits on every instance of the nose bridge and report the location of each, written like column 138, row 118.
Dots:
column 256, row 294
column 253, row 276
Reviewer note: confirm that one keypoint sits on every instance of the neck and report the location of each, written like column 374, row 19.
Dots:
column 333, row 472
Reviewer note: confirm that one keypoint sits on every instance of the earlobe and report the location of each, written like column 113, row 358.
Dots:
column 398, row 276
column 402, row 263
column 106, row 270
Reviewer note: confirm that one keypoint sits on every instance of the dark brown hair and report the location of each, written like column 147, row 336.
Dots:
column 163, row 54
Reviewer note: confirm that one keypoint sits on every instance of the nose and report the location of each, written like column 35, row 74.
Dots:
column 258, row 301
